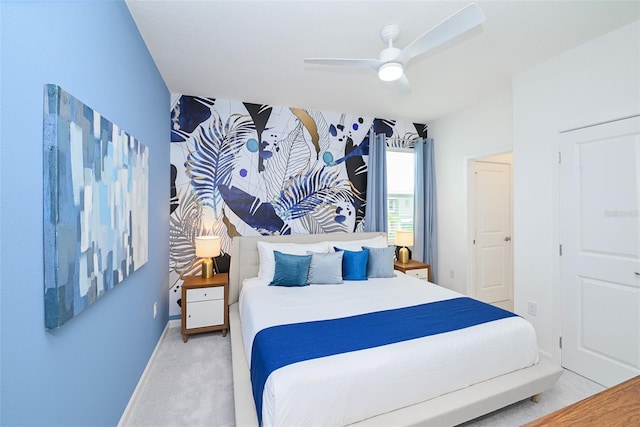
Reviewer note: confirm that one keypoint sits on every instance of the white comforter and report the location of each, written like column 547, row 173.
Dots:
column 348, row 387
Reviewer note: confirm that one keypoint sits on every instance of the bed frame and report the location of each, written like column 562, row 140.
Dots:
column 449, row 409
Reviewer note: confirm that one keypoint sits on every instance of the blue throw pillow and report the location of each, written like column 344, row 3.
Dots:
column 354, row 264
column 325, row 268
column 291, row 270
column 380, row 262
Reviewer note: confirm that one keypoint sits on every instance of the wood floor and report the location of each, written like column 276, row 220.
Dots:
column 616, row 406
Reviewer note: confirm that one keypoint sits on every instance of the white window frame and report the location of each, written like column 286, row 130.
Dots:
column 391, row 233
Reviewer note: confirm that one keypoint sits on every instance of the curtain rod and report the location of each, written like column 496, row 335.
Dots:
column 395, row 138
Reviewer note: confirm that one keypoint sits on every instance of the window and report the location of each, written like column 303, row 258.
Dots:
column 400, row 184
column 392, row 206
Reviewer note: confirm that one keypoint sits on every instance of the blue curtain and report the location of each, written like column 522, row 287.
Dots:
column 376, row 209
column 425, row 232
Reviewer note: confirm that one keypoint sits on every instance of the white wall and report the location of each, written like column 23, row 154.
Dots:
column 595, row 82
column 479, row 131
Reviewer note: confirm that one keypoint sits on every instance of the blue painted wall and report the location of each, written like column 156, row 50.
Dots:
column 83, row 373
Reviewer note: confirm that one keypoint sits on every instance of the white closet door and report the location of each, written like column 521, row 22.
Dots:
column 600, row 264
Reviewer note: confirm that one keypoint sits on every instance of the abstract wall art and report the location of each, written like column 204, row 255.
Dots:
column 239, row 168
column 96, row 191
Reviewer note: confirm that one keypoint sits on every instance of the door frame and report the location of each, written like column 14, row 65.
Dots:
column 489, row 157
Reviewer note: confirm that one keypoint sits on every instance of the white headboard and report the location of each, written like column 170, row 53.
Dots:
column 245, row 259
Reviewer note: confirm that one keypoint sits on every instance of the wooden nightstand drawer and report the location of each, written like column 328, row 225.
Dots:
column 205, row 313
column 420, row 273
column 205, row 294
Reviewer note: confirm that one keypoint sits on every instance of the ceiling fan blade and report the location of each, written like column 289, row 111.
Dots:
column 460, row 22
column 340, row 62
column 401, row 86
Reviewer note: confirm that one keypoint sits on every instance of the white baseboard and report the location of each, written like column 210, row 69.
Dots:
column 125, row 414
column 543, row 355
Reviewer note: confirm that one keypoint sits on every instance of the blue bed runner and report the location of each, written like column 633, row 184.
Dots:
column 282, row 345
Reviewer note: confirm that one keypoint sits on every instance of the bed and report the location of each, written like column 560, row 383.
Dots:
column 454, row 397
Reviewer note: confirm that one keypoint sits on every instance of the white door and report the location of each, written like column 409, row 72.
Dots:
column 599, row 266
column 493, row 259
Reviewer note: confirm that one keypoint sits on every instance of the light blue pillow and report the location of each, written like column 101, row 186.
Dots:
column 325, row 268
column 291, row 270
column 380, row 262
column 354, row 264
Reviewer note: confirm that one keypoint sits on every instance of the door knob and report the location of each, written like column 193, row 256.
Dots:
column 506, row 239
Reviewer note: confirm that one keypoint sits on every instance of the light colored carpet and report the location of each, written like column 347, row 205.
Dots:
column 187, row 384
column 191, row 385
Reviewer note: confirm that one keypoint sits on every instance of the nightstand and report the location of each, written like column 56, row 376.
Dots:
column 205, row 304
column 414, row 268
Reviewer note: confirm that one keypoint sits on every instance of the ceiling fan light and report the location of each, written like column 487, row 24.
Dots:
column 390, row 71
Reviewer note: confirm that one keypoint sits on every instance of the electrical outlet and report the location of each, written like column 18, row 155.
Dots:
column 155, row 309
column 452, row 273
column 532, row 308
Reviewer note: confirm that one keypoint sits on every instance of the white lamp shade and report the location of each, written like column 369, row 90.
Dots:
column 390, row 71
column 207, row 246
column 404, row 237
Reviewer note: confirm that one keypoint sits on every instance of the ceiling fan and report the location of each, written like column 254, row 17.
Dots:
column 392, row 61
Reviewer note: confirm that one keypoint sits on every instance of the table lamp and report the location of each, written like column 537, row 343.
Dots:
column 404, row 238
column 207, row 247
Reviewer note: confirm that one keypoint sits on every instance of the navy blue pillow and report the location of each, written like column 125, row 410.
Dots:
column 354, row 264
column 291, row 270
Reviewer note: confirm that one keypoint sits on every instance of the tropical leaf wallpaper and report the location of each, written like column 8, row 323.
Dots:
column 248, row 169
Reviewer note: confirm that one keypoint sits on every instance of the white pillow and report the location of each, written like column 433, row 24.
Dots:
column 356, row 245
column 268, row 263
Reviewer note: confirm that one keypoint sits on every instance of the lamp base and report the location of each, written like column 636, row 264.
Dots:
column 207, row 268
column 403, row 255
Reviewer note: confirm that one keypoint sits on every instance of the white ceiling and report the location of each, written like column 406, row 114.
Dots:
column 253, row 51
